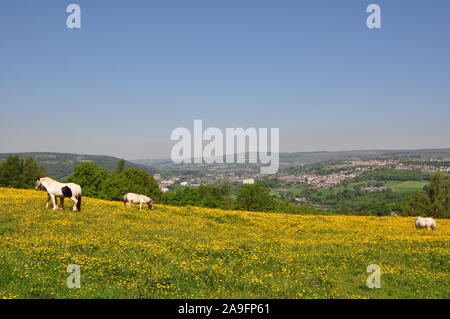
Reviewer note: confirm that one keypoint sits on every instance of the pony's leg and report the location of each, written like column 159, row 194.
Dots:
column 76, row 202
column 55, row 202
column 48, row 200
column 62, row 203
column 140, row 206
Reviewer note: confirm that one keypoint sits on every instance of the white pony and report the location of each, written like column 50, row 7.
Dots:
column 428, row 223
column 137, row 199
column 56, row 189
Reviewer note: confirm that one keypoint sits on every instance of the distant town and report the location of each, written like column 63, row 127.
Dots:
column 318, row 175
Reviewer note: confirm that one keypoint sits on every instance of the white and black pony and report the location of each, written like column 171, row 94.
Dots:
column 60, row 190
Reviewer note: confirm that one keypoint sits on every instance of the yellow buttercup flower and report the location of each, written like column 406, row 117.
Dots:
column 192, row 252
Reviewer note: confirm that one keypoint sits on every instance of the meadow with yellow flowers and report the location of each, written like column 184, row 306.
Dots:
column 189, row 252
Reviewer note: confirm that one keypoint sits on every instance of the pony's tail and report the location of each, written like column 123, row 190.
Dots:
column 78, row 197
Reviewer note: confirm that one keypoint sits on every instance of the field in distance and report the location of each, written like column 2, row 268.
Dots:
column 407, row 187
column 403, row 187
column 187, row 252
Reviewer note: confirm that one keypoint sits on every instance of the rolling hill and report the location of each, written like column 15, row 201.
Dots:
column 192, row 252
column 61, row 165
column 320, row 156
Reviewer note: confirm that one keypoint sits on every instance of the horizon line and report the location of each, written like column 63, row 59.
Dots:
column 443, row 149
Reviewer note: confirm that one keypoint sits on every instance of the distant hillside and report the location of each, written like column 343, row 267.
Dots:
column 315, row 157
column 61, row 165
column 321, row 156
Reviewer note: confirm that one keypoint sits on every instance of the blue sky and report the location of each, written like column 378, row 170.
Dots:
column 138, row 69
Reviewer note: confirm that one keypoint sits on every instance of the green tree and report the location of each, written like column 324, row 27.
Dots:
column 435, row 201
column 120, row 165
column 19, row 173
column 215, row 195
column 437, row 193
column 183, row 197
column 254, row 198
column 31, row 171
column 90, row 177
column 10, row 172
column 130, row 180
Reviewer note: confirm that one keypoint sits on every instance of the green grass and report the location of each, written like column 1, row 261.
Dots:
column 406, row 186
column 403, row 187
column 189, row 252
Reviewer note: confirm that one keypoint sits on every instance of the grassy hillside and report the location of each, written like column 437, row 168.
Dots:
column 316, row 157
column 406, row 187
column 176, row 252
column 61, row 165
column 402, row 187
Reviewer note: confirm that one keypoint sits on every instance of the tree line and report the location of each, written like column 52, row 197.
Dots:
column 98, row 182
column 394, row 175
column 17, row 172
column 253, row 197
column 435, row 202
